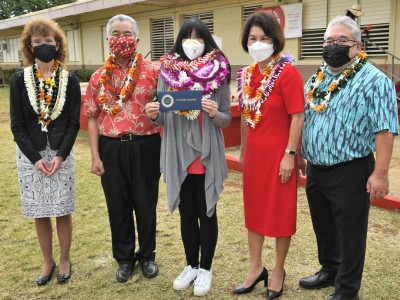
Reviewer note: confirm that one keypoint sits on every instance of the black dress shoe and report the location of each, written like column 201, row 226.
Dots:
column 124, row 272
column 318, row 280
column 337, row 296
column 42, row 280
column 240, row 289
column 63, row 278
column 149, row 268
column 273, row 294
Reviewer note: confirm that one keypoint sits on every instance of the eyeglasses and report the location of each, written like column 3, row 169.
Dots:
column 341, row 41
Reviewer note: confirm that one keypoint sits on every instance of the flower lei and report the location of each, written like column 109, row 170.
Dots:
column 348, row 73
column 114, row 105
column 205, row 73
column 47, row 96
column 271, row 74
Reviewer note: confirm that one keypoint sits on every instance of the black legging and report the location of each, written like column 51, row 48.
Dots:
column 195, row 237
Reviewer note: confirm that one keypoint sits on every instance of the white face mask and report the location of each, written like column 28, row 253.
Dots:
column 193, row 49
column 260, row 51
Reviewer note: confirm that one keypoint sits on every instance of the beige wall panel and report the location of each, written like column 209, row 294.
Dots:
column 144, row 45
column 92, row 45
column 227, row 25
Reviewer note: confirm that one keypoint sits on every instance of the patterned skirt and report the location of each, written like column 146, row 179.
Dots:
column 43, row 196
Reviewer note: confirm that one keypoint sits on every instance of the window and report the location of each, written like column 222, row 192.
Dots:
column 206, row 17
column 317, row 14
column 73, row 38
column 248, row 10
column 162, row 37
column 311, row 43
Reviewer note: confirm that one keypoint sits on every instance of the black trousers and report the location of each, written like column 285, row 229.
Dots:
column 199, row 232
column 130, row 184
column 339, row 206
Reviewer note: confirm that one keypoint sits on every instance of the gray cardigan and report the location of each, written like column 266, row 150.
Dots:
column 182, row 142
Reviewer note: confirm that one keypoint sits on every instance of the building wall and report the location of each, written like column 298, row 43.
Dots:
column 92, row 45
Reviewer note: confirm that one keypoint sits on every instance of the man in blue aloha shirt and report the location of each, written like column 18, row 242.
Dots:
column 350, row 112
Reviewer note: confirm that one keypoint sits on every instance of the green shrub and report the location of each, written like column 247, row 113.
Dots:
column 8, row 73
column 83, row 74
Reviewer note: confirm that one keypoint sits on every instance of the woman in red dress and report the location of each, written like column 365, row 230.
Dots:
column 272, row 100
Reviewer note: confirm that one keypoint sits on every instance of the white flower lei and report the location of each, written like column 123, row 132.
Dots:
column 41, row 106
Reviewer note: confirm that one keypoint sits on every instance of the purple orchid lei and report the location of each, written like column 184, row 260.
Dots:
column 208, row 77
column 243, row 80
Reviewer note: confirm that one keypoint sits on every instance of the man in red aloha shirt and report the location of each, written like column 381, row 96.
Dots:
column 125, row 146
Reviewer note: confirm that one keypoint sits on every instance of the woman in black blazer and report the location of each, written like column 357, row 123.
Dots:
column 44, row 108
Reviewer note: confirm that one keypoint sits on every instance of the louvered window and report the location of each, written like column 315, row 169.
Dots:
column 379, row 37
column 162, row 37
column 248, row 10
column 317, row 14
column 206, row 17
column 311, row 43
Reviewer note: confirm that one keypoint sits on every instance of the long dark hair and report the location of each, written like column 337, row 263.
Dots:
column 202, row 31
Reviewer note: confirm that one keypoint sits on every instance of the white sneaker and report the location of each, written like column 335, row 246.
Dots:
column 185, row 279
column 202, row 285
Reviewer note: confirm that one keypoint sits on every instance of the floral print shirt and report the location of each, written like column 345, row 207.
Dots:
column 132, row 118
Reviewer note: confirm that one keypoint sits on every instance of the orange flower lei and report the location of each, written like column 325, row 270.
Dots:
column 314, row 93
column 270, row 74
column 114, row 105
column 47, row 99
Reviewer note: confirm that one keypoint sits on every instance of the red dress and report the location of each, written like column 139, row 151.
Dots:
column 269, row 205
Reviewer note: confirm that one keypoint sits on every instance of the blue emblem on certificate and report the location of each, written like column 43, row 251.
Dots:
column 180, row 100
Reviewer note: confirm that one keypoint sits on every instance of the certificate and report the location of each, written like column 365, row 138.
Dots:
column 180, row 100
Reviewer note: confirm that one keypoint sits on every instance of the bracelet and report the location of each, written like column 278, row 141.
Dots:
column 290, row 152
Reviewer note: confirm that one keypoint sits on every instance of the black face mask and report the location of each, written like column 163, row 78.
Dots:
column 336, row 55
column 45, row 53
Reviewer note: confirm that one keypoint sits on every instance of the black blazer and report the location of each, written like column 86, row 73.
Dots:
column 27, row 131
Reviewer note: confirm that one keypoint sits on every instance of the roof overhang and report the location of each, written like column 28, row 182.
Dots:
column 66, row 10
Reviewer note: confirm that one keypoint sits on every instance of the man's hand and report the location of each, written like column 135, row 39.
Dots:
column 152, row 110
column 378, row 185
column 301, row 165
column 97, row 167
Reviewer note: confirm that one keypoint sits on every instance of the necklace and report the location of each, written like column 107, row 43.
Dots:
column 47, row 96
column 270, row 74
column 204, row 74
column 114, row 105
column 314, row 93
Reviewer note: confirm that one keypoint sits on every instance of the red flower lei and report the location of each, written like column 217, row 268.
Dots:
column 115, row 104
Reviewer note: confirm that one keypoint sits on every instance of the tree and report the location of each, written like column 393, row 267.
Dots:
column 12, row 8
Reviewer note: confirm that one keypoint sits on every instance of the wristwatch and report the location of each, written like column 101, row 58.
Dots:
column 290, row 151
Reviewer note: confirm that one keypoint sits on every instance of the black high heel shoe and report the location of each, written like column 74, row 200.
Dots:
column 63, row 278
column 242, row 290
column 42, row 280
column 273, row 294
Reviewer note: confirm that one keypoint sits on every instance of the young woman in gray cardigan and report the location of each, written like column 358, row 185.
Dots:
column 192, row 149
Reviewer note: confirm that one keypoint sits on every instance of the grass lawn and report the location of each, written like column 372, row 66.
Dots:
column 94, row 268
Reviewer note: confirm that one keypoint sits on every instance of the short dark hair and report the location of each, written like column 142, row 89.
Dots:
column 201, row 30
column 269, row 24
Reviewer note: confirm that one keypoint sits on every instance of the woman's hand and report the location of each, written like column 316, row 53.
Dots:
column 43, row 167
column 152, row 110
column 286, row 167
column 210, row 107
column 55, row 164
